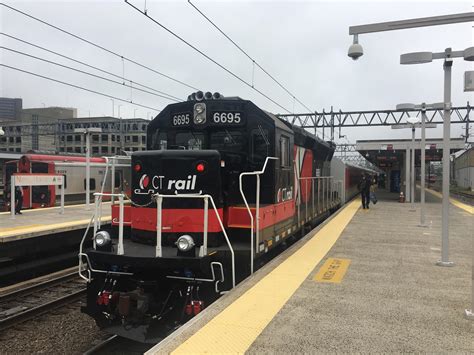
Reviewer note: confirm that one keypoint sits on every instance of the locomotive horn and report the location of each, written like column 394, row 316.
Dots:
column 217, row 96
column 190, row 97
column 208, row 95
column 193, row 96
column 199, row 96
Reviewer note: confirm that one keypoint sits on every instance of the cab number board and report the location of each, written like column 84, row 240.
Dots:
column 227, row 117
column 181, row 119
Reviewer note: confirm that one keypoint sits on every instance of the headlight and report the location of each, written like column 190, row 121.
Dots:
column 102, row 239
column 185, row 243
column 200, row 113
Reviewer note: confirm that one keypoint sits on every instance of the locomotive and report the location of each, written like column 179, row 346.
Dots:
column 221, row 184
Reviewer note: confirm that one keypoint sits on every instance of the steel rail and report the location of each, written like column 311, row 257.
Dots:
column 43, row 308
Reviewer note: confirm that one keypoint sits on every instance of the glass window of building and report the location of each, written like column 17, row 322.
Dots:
column 135, row 139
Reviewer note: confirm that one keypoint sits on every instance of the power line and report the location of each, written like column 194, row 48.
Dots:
column 248, row 56
column 79, row 87
column 89, row 65
column 86, row 73
column 100, row 47
column 205, row 55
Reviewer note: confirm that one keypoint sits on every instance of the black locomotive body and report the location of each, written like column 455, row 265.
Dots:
column 221, row 184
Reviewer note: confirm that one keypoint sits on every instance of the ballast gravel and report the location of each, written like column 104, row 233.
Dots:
column 63, row 331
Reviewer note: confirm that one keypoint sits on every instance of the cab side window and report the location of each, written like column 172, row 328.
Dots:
column 285, row 152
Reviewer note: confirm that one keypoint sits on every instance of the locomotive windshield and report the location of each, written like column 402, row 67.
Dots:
column 222, row 140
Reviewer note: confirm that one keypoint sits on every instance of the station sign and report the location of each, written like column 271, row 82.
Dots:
column 38, row 179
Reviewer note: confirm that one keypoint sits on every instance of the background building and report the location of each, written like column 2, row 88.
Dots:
column 10, row 109
column 464, row 170
column 117, row 135
column 51, row 129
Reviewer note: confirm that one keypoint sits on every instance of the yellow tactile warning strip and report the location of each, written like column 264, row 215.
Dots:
column 333, row 270
column 9, row 229
column 34, row 228
column 51, row 208
column 237, row 327
column 455, row 202
column 43, row 209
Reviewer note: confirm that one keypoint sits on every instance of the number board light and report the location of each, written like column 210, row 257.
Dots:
column 227, row 118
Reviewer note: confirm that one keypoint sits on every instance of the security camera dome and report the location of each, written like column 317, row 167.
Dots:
column 355, row 51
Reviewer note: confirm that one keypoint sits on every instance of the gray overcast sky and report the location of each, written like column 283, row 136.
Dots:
column 302, row 43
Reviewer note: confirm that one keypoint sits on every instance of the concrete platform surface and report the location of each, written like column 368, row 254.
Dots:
column 392, row 297
column 38, row 222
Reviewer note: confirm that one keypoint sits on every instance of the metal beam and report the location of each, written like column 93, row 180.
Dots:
column 340, row 118
column 412, row 23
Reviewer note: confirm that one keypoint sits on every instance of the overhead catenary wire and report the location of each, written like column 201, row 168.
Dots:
column 100, row 47
column 79, row 87
column 144, row 13
column 254, row 62
column 86, row 73
column 89, row 65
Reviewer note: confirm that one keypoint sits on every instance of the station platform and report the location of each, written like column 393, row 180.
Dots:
column 363, row 281
column 44, row 221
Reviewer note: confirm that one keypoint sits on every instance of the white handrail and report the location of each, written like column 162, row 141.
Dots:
column 206, row 198
column 257, row 207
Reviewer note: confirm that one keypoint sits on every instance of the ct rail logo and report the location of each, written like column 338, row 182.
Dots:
column 144, row 182
column 151, row 185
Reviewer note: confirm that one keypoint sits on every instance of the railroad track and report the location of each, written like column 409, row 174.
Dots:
column 118, row 345
column 31, row 301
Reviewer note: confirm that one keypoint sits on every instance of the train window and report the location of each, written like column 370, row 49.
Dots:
column 260, row 145
column 227, row 141
column 91, row 184
column 159, row 140
column 189, row 140
column 285, row 151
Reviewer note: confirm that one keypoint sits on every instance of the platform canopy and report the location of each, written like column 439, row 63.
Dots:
column 391, row 152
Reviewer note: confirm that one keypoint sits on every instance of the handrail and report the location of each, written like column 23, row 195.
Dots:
column 97, row 223
column 257, row 206
column 326, row 191
column 206, row 198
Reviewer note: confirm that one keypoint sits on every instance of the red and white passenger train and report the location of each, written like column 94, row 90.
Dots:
column 73, row 169
column 221, row 185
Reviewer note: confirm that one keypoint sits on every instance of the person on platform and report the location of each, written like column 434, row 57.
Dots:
column 373, row 197
column 18, row 199
column 364, row 188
